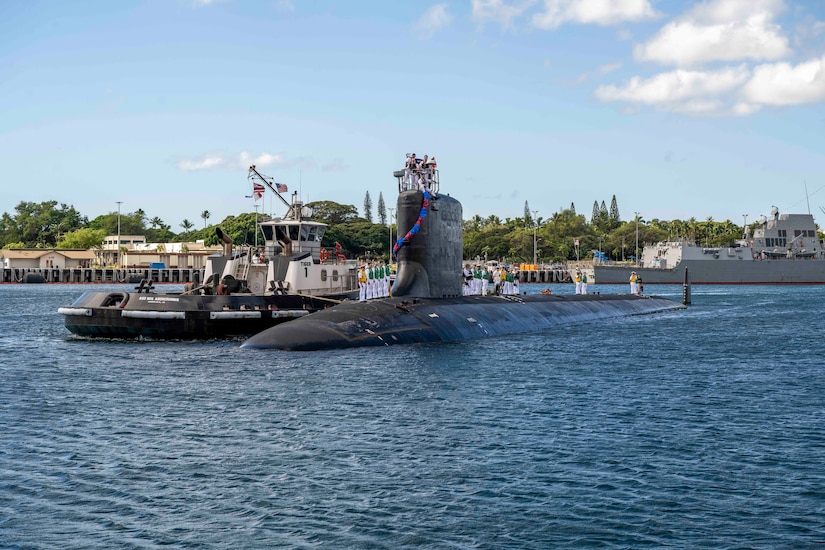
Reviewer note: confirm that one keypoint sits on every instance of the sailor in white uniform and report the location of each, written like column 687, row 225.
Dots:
column 468, row 279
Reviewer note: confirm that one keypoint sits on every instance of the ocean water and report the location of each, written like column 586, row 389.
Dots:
column 702, row 428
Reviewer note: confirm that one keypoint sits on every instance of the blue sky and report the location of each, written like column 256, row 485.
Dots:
column 679, row 109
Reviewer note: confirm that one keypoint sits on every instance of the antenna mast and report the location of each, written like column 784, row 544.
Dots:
column 254, row 175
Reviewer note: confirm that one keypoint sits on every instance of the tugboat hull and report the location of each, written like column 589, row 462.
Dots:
column 181, row 316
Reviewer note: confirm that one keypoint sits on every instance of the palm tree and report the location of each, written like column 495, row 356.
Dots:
column 155, row 222
column 187, row 226
column 205, row 215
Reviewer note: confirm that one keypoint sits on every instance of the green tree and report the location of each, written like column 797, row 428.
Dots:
column 333, row 213
column 614, row 219
column 359, row 238
column 368, row 207
column 187, row 227
column 241, row 229
column 39, row 224
column 159, row 233
column 382, row 209
column 130, row 223
column 83, row 239
column 560, row 232
column 206, row 214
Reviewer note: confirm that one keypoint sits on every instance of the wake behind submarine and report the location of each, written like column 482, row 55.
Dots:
column 427, row 303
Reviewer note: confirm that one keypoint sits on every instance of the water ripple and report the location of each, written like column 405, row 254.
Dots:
column 702, row 428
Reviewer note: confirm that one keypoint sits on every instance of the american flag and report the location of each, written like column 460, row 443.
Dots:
column 281, row 187
column 257, row 191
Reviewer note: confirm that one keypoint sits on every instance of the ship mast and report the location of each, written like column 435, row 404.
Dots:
column 256, row 176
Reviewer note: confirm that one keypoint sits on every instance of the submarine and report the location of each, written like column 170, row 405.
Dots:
column 427, row 303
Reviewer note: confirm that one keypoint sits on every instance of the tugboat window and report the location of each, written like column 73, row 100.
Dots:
column 334, row 274
column 323, row 274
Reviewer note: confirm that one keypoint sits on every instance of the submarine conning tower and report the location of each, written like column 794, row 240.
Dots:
column 429, row 257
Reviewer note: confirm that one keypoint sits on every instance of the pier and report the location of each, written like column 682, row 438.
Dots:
column 531, row 273
column 108, row 275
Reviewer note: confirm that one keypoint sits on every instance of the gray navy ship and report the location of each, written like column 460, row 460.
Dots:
column 783, row 249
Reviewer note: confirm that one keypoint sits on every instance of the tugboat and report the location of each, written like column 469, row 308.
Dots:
column 246, row 289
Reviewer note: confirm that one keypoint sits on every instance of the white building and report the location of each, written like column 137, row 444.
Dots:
column 136, row 252
column 47, row 258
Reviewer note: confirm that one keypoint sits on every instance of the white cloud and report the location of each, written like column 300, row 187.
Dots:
column 719, row 30
column 692, row 92
column 432, row 21
column 216, row 161
column 785, row 84
column 209, row 161
column 599, row 12
column 263, row 160
column 726, row 31
column 736, row 91
column 497, row 11
column 609, row 68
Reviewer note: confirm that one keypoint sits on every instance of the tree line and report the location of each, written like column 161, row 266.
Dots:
column 554, row 239
column 52, row 225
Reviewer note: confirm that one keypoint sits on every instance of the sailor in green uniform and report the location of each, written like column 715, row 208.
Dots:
column 477, row 280
column 485, row 280
column 370, row 282
column 379, row 281
column 387, row 279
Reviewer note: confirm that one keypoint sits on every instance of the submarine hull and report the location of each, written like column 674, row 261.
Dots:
column 406, row 320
